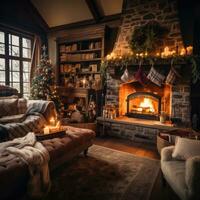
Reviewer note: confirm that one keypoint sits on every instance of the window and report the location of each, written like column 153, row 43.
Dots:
column 15, row 60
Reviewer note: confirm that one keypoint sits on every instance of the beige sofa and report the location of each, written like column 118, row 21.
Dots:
column 183, row 176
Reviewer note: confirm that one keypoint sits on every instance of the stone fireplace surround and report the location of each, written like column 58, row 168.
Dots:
column 175, row 100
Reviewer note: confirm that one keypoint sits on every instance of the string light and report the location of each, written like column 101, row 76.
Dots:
column 166, row 53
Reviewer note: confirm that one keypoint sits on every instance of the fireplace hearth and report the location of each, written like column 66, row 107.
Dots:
column 144, row 105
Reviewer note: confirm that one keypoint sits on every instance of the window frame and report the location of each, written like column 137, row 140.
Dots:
column 8, row 58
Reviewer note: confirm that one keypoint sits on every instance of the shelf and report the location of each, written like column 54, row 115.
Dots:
column 77, row 61
column 79, row 73
column 82, row 51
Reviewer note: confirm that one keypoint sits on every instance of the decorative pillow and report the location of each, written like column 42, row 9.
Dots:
column 155, row 77
column 12, row 119
column 186, row 148
column 7, row 91
column 22, row 105
column 8, row 107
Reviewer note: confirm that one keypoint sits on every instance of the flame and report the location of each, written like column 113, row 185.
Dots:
column 147, row 103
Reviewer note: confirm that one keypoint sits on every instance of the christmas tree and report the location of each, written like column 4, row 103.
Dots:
column 43, row 84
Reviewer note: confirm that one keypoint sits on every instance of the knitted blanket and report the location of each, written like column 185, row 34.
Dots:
column 35, row 155
column 38, row 114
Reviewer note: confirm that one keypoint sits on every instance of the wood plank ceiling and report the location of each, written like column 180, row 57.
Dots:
column 58, row 13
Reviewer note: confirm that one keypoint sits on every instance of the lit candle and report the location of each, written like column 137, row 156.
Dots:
column 46, row 130
column 189, row 50
column 52, row 122
column 183, row 52
column 84, row 82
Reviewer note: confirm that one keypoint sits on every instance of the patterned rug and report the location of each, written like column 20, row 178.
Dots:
column 105, row 174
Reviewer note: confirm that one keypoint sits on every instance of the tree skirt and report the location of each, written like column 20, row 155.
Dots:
column 105, row 174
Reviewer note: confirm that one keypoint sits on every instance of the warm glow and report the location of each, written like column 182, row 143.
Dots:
column 189, row 50
column 52, row 121
column 84, row 82
column 183, row 52
column 167, row 52
column 146, row 104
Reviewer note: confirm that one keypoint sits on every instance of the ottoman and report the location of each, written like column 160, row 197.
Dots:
column 14, row 174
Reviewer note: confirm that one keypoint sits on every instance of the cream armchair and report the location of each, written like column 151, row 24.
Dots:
column 182, row 176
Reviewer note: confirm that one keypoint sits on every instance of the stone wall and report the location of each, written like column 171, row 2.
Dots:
column 139, row 12
column 180, row 103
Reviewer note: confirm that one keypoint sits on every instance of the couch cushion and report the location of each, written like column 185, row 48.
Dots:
column 58, row 146
column 174, row 173
column 12, row 119
column 22, row 105
column 186, row 148
column 14, row 176
column 8, row 106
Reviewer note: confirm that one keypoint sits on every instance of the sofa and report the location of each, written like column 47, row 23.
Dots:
column 21, row 117
column 14, row 174
column 182, row 170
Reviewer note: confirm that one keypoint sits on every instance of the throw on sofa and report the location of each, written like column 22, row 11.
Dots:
column 19, row 116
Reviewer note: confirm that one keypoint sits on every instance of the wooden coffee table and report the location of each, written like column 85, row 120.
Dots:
column 51, row 135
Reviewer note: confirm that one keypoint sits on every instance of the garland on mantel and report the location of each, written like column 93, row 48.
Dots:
column 124, row 61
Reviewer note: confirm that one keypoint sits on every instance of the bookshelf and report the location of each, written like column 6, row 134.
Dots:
column 79, row 63
column 79, row 59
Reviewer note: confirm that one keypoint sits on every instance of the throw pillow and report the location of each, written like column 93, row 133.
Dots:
column 8, row 107
column 155, row 77
column 186, row 148
column 7, row 91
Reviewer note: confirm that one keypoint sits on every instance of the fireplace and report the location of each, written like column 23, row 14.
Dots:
column 143, row 105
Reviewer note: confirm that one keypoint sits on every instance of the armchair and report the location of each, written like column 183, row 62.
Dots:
column 182, row 175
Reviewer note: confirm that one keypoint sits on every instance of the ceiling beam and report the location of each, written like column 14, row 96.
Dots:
column 124, row 4
column 105, row 19
column 92, row 5
column 36, row 15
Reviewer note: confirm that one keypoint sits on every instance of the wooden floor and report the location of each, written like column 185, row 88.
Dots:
column 159, row 191
column 138, row 149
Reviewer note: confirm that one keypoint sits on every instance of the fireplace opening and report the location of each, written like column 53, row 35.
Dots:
column 143, row 105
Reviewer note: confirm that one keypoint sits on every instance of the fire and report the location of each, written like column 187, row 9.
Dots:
column 146, row 104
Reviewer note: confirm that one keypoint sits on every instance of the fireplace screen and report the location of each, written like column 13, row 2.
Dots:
column 143, row 105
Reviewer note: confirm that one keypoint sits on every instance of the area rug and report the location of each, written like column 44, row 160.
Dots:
column 106, row 174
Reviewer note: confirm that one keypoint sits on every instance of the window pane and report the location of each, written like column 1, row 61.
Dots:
column 2, row 48
column 26, row 53
column 2, row 83
column 15, row 40
column 14, row 65
column 26, row 43
column 16, row 85
column 2, row 64
column 14, row 77
column 2, row 37
column 26, row 77
column 14, row 51
column 2, row 76
column 26, row 87
column 26, row 66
